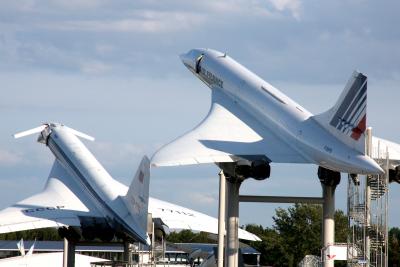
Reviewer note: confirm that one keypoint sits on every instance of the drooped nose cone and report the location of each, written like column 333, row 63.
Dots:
column 189, row 59
column 186, row 60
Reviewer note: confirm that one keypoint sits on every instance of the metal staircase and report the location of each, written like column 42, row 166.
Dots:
column 367, row 206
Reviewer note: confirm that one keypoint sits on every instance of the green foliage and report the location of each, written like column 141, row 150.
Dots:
column 271, row 249
column 394, row 247
column 50, row 234
column 187, row 236
column 296, row 232
column 341, row 227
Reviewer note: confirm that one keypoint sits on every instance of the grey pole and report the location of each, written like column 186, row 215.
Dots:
column 221, row 218
column 65, row 253
column 281, row 199
column 126, row 252
column 233, row 186
column 69, row 253
column 329, row 221
column 368, row 151
column 329, row 180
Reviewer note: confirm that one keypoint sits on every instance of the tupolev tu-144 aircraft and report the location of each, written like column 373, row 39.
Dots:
column 252, row 123
column 81, row 194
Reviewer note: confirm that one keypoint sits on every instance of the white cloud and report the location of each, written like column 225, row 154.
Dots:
column 141, row 21
column 201, row 198
column 117, row 154
column 8, row 158
column 293, row 6
column 78, row 4
column 94, row 67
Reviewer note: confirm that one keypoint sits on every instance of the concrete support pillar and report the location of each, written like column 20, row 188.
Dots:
column 232, row 248
column 69, row 253
column 328, row 221
column 126, row 252
column 329, row 180
column 221, row 218
column 367, row 246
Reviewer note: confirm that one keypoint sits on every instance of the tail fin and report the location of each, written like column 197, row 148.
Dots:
column 30, row 251
column 137, row 198
column 347, row 118
column 21, row 247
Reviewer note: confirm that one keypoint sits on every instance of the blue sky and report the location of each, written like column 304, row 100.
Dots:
column 111, row 69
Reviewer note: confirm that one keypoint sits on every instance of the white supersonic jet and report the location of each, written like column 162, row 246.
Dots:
column 80, row 193
column 253, row 123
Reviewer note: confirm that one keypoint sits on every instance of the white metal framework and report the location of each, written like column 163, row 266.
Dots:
column 368, row 215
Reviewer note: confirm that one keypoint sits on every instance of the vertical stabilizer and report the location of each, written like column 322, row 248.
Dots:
column 348, row 117
column 30, row 251
column 21, row 247
column 137, row 198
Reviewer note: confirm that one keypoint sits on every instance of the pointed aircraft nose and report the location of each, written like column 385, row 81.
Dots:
column 370, row 166
column 185, row 58
column 188, row 59
column 192, row 59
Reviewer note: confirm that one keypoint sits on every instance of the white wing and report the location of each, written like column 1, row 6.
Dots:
column 58, row 205
column 226, row 134
column 381, row 146
column 178, row 218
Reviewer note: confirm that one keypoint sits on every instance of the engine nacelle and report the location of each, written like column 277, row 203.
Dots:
column 69, row 233
column 394, row 175
column 328, row 177
column 92, row 228
column 259, row 170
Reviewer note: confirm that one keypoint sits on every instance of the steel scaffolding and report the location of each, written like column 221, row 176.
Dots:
column 367, row 207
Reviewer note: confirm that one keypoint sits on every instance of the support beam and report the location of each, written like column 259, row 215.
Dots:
column 232, row 251
column 328, row 221
column 221, row 218
column 69, row 253
column 329, row 180
column 281, row 199
column 126, row 252
column 367, row 246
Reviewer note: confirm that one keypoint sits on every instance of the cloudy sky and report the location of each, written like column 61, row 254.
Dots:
column 111, row 69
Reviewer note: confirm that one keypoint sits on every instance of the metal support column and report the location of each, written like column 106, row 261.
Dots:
column 328, row 221
column 329, row 180
column 232, row 220
column 69, row 253
column 126, row 252
column 221, row 218
column 367, row 246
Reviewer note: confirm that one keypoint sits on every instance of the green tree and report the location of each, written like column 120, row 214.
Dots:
column 296, row 232
column 187, row 236
column 394, row 247
column 341, row 227
column 50, row 234
column 271, row 246
column 300, row 228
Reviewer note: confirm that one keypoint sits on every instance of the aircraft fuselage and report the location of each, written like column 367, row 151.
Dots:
column 98, row 184
column 278, row 114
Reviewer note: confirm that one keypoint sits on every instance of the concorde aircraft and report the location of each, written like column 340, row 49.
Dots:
column 81, row 193
column 252, row 123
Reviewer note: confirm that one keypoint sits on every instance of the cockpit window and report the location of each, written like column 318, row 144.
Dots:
column 198, row 60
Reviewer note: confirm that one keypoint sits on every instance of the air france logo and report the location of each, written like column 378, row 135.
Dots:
column 350, row 117
column 210, row 78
